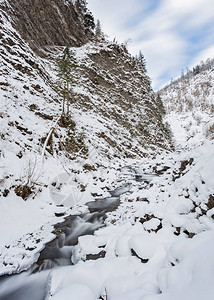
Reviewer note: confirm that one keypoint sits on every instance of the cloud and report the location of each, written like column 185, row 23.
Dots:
column 113, row 14
column 194, row 13
column 203, row 55
column 172, row 34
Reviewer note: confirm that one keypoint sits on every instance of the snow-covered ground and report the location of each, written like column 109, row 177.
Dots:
column 158, row 244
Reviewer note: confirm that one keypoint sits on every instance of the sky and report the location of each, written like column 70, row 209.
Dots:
column 172, row 34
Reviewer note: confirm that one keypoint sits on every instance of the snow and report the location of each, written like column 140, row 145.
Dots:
column 78, row 291
column 25, row 228
column 125, row 278
column 159, row 242
column 100, row 275
column 189, row 105
column 144, row 245
column 25, row 212
column 165, row 265
column 152, row 224
column 24, row 223
column 195, row 260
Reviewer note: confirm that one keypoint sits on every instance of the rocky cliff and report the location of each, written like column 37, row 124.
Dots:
column 112, row 89
column 112, row 85
column 48, row 23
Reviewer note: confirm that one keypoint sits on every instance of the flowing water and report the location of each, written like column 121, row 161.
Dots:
column 31, row 284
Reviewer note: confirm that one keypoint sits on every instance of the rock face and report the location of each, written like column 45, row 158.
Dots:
column 118, row 90
column 48, row 22
column 112, row 103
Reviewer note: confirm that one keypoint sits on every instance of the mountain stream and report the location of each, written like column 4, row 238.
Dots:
column 31, row 284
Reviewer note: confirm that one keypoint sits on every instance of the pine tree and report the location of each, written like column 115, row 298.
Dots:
column 142, row 61
column 196, row 70
column 89, row 20
column 87, row 15
column 66, row 64
column 98, row 31
column 160, row 105
column 82, row 5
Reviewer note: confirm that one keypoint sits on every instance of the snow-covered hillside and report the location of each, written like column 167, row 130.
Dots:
column 190, row 106
column 114, row 120
column 97, row 205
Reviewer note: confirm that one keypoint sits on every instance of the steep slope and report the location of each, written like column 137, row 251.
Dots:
column 113, row 86
column 189, row 104
column 48, row 23
column 114, row 120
